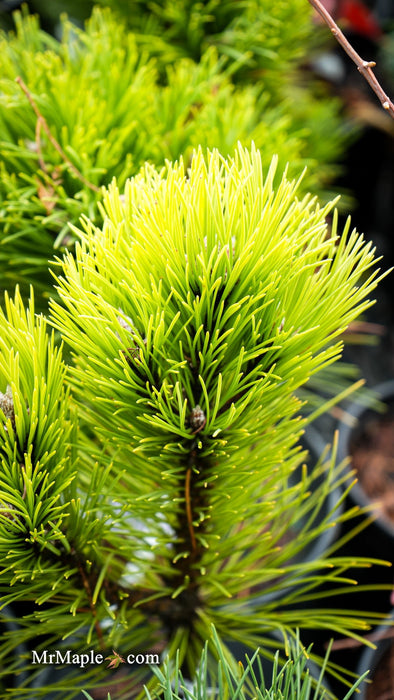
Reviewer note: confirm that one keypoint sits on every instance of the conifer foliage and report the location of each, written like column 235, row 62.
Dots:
column 147, row 489
column 95, row 105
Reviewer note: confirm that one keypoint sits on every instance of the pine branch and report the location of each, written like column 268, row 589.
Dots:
column 364, row 67
column 189, row 510
column 181, row 611
column 195, row 315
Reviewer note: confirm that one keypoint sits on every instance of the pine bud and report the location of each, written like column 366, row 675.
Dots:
column 7, row 405
column 197, row 419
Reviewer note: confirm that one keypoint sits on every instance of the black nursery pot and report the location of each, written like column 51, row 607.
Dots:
column 17, row 672
column 13, row 675
column 378, row 662
column 361, row 536
column 316, row 445
column 369, row 445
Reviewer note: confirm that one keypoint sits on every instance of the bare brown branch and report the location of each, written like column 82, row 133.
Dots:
column 41, row 122
column 348, row 643
column 364, row 67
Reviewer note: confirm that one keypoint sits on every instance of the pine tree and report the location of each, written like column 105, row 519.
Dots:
column 154, row 486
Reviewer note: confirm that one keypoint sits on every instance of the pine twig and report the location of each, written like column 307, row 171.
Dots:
column 189, row 511
column 364, row 67
column 41, row 121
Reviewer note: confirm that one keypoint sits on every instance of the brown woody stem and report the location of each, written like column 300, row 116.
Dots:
column 364, row 67
column 189, row 513
column 44, row 124
column 348, row 643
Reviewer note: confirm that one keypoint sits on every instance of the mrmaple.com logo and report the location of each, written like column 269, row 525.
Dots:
column 90, row 658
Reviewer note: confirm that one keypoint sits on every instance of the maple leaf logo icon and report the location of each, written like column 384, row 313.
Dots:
column 115, row 659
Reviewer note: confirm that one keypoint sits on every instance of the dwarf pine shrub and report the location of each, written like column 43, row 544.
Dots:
column 148, row 490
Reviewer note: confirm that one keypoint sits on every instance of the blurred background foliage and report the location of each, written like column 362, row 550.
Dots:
column 107, row 89
column 263, row 35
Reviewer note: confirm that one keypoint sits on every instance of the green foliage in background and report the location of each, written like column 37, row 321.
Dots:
column 194, row 314
column 262, row 37
column 109, row 109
